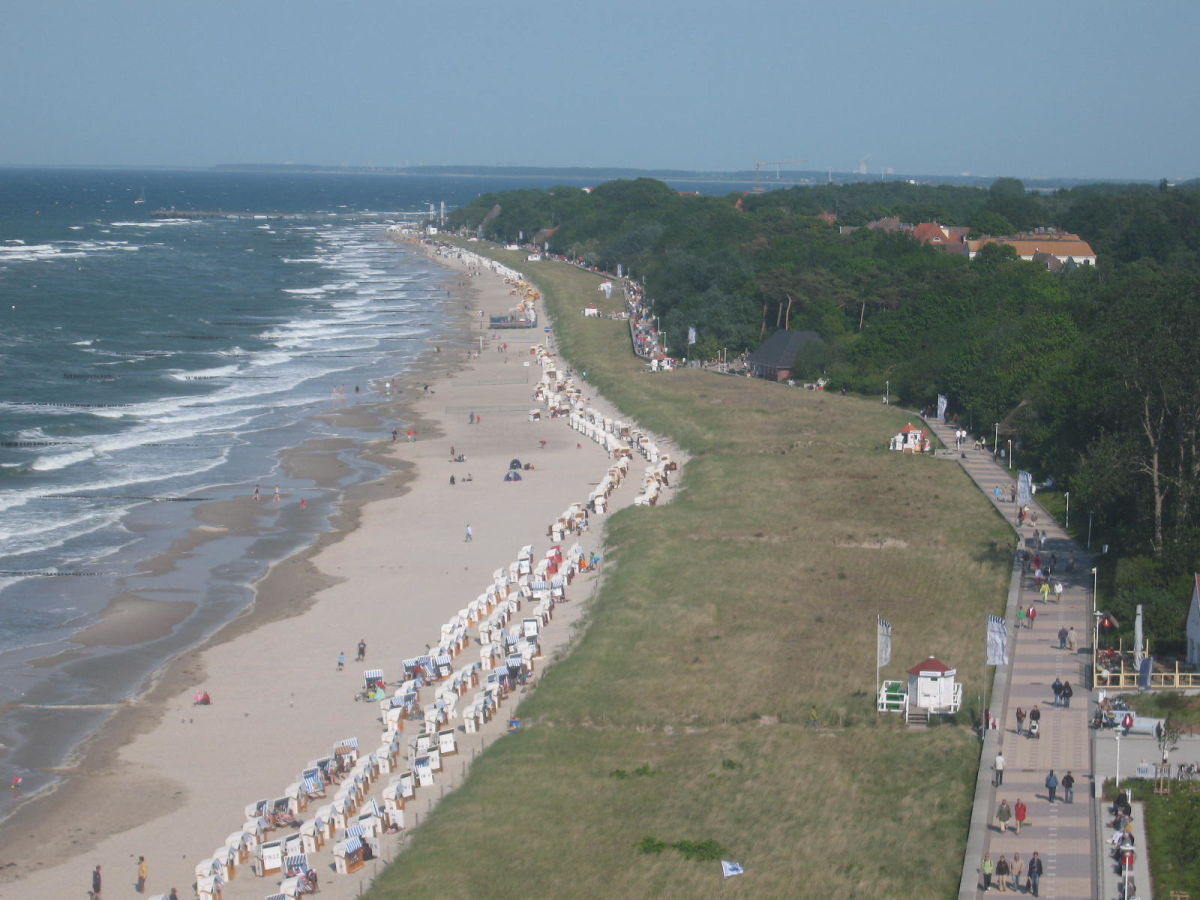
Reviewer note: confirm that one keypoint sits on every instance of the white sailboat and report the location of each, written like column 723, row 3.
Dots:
column 141, row 198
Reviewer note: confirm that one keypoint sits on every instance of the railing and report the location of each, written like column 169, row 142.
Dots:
column 893, row 697
column 1124, row 678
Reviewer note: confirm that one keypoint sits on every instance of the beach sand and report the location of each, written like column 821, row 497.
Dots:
column 168, row 781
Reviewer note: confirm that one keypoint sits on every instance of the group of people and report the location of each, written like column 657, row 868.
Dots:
column 139, row 885
column 1012, row 873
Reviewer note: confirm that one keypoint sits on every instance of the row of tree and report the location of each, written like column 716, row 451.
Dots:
column 1092, row 372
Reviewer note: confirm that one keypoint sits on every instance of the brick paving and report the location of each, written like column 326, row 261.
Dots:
column 1061, row 833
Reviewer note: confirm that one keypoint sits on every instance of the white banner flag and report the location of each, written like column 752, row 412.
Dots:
column 731, row 868
column 997, row 641
column 942, row 402
column 691, row 336
column 1024, row 488
column 883, row 648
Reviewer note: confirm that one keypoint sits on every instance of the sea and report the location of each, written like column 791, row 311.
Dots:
column 152, row 362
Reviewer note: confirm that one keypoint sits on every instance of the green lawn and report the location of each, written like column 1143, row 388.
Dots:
column 725, row 615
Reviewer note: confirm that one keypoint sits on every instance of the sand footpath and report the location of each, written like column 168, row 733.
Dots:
column 177, row 788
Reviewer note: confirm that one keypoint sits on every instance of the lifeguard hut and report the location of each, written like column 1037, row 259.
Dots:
column 931, row 689
column 911, row 439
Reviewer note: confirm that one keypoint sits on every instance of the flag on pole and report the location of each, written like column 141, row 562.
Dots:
column 997, row 641
column 883, row 648
column 731, row 868
column 691, row 335
column 941, row 409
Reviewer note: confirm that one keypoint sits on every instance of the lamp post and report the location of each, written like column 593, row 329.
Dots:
column 1067, row 520
column 1095, row 628
column 1117, row 737
column 1010, row 453
column 887, row 393
column 1089, row 544
column 996, row 440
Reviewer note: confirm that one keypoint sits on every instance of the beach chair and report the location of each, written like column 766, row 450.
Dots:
column 209, row 888
column 348, row 856
column 239, row 843
column 270, row 858
column 312, row 836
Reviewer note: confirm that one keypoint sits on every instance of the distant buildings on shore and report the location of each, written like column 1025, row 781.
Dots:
column 1057, row 250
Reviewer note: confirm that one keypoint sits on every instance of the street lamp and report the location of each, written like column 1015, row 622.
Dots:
column 1117, row 736
column 1010, row 453
column 887, row 393
column 1067, row 521
column 996, row 440
column 1089, row 546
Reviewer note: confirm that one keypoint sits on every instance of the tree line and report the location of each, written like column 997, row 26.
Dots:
column 1091, row 371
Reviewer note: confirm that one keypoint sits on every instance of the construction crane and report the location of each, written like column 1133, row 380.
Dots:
column 758, row 188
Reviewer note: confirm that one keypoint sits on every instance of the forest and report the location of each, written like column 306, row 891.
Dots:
column 1091, row 372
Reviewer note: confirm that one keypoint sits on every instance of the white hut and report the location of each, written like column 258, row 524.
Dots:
column 931, row 687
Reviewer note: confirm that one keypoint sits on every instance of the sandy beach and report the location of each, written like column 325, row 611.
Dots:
column 168, row 780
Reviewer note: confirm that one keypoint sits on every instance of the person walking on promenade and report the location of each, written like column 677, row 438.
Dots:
column 1004, row 816
column 1035, row 872
column 999, row 767
column 1002, row 873
column 1020, row 813
column 1035, row 718
column 142, row 872
column 1067, row 693
column 1018, row 870
column 1051, row 785
column 1021, row 616
column 1045, row 591
column 1020, row 721
column 1032, row 615
column 987, row 867
column 1071, row 639
column 1068, row 786
column 1058, row 591
column 1057, row 687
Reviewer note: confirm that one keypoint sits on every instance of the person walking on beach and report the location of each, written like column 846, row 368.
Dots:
column 362, row 650
column 1068, row 786
column 470, row 534
column 1051, row 785
column 341, row 661
column 1020, row 813
column 142, row 872
column 96, row 883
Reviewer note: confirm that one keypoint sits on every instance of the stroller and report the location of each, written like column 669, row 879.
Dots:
column 1035, row 730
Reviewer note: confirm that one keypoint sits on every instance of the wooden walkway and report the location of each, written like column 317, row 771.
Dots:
column 1061, row 833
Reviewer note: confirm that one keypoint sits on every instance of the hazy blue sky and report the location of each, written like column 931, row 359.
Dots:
column 1102, row 88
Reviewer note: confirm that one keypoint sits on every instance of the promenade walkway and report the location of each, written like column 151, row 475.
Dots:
column 1061, row 833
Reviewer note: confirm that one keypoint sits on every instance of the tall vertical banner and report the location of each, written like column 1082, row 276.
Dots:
column 942, row 402
column 997, row 641
column 691, row 335
column 1024, row 488
column 883, row 644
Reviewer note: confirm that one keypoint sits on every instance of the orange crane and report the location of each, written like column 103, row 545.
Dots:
column 758, row 188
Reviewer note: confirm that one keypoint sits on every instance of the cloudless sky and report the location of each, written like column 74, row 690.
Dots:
column 1075, row 88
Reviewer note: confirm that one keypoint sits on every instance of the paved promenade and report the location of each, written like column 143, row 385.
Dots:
column 1061, row 833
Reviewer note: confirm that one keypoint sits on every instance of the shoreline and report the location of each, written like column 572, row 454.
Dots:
column 305, row 586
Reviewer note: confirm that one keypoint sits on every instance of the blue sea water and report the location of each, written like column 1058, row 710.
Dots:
column 148, row 364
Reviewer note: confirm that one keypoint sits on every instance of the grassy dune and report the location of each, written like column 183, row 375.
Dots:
column 725, row 615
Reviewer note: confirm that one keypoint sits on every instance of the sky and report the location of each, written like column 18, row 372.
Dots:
column 1091, row 89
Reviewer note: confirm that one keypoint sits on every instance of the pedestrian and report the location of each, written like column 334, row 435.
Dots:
column 471, row 418
column 96, row 883
column 1057, row 687
column 172, row 895
column 999, row 767
column 1020, row 813
column 1002, row 872
column 1058, row 591
column 1067, row 693
column 395, row 434
column 812, row 717
column 1021, row 617
column 1042, row 540
column 1018, row 870
column 1045, row 591
column 1035, row 717
column 142, row 872
column 470, row 534
column 341, row 661
column 1068, row 786
column 1062, row 638
column 257, row 492
column 1031, row 615
column 1012, row 493
column 1126, row 724
column 362, row 650
column 987, row 867
column 1051, row 785
column 1020, row 721
column 1071, row 640
column 1003, row 816
column 1035, row 872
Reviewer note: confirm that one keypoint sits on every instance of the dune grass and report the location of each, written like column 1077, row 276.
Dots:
column 724, row 617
